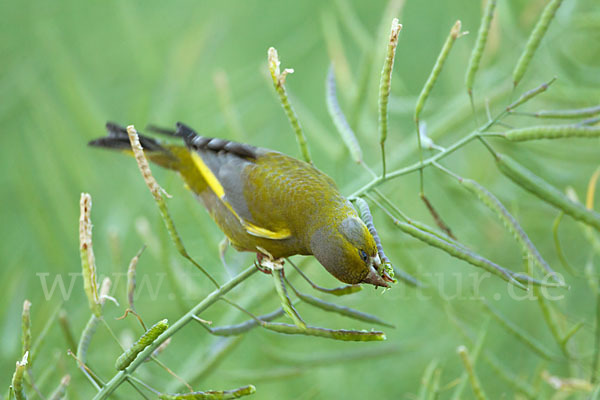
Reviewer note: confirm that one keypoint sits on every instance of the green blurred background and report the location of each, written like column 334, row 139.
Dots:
column 69, row 66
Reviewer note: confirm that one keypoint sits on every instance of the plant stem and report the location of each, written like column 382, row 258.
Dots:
column 121, row 376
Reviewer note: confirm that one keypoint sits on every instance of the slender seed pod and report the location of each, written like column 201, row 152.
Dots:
column 234, row 330
column 482, row 35
column 522, row 336
column 460, row 253
column 144, row 341
column 508, row 220
column 341, row 334
column 473, row 379
column 559, row 251
column 61, row 390
column 568, row 114
column 345, row 311
column 287, row 305
column 131, row 272
column 338, row 291
column 88, row 261
column 211, row 394
column 86, row 338
column 26, row 327
column 339, row 119
column 552, row 132
column 437, row 68
column 385, row 85
column 530, row 94
column 17, row 379
column 278, row 83
column 534, row 40
column 544, row 191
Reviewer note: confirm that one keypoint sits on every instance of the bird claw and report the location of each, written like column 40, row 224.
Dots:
column 266, row 263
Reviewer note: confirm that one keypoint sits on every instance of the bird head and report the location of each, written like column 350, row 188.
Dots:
column 348, row 251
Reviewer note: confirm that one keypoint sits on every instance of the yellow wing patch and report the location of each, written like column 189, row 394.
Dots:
column 218, row 189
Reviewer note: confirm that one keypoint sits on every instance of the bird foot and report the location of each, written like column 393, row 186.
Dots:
column 266, row 263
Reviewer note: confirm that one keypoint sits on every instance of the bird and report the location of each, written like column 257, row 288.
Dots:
column 265, row 201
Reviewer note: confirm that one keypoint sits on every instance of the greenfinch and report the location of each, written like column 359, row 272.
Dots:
column 266, row 202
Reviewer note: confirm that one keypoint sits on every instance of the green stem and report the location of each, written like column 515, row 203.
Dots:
column 122, row 376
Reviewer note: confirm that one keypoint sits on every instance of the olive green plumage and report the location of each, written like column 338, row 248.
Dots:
column 266, row 202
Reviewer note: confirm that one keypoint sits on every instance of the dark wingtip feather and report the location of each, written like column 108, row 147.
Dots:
column 117, row 138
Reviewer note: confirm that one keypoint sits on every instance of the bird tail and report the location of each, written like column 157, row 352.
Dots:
column 167, row 156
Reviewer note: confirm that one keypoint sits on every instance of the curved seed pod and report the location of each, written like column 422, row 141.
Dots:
column 339, row 119
column 86, row 338
column 131, row 272
column 341, row 334
column 482, row 35
column 544, row 191
column 508, row 220
column 534, row 40
column 552, row 132
column 567, row 114
column 211, row 394
column 338, row 291
column 144, row 341
column 346, row 311
column 287, row 305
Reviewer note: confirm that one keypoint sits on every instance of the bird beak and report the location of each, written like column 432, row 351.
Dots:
column 374, row 278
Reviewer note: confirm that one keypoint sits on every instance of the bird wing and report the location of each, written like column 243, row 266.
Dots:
column 225, row 165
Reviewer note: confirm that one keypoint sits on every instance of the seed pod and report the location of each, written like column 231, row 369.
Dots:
column 462, row 253
column 508, row 220
column 341, row 334
column 144, row 341
column 530, row 94
column 17, row 379
column 482, row 35
column 567, row 114
column 339, row 119
column 544, row 191
column 385, row 83
column 473, row 379
column 287, row 305
column 552, row 132
column 211, row 394
column 86, row 337
column 26, row 327
column 88, row 261
column 345, row 311
column 534, row 40
column 61, row 390
column 437, row 68
column 278, row 83
column 238, row 329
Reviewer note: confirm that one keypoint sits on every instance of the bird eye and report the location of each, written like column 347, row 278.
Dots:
column 363, row 255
